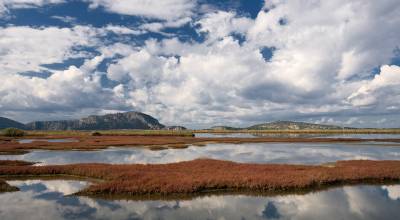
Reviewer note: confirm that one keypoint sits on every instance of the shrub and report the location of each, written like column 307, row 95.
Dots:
column 13, row 132
column 96, row 133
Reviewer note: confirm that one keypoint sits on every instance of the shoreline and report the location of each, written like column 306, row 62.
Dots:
column 203, row 176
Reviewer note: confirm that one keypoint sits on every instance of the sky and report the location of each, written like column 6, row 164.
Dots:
column 200, row 63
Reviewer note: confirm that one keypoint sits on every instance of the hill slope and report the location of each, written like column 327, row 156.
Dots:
column 127, row 120
column 223, row 128
column 8, row 123
column 291, row 125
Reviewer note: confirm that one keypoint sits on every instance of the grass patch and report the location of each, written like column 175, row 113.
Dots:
column 13, row 132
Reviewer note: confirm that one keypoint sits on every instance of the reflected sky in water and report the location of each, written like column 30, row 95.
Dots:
column 294, row 135
column 28, row 141
column 46, row 200
column 294, row 153
column 215, row 135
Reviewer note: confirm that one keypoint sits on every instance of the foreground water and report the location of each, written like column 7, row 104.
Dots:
column 293, row 153
column 47, row 200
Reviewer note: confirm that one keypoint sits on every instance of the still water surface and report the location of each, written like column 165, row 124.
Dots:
column 294, row 153
column 294, row 135
column 47, row 200
column 28, row 141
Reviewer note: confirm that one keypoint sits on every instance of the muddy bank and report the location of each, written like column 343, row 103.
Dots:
column 206, row 175
column 12, row 146
column 5, row 187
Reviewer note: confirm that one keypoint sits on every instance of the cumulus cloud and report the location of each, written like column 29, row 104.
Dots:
column 220, row 24
column 24, row 48
column 318, row 63
column 163, row 10
column 321, row 64
column 384, row 88
column 62, row 91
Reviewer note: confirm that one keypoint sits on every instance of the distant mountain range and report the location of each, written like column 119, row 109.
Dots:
column 8, row 123
column 127, row 120
column 283, row 125
column 138, row 120
column 292, row 125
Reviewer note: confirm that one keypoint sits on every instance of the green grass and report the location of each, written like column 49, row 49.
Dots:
column 12, row 132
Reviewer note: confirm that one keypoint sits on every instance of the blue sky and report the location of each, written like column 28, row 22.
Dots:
column 200, row 63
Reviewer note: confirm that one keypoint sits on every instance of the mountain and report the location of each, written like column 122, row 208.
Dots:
column 292, row 125
column 223, row 128
column 175, row 128
column 8, row 123
column 127, row 120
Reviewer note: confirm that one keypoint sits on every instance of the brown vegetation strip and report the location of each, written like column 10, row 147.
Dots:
column 15, row 163
column 11, row 146
column 205, row 175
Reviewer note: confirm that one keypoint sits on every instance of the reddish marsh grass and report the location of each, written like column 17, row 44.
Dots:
column 205, row 175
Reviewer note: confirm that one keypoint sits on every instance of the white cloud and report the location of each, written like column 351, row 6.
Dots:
column 66, row 19
column 25, row 48
column 222, row 80
column 164, row 10
column 383, row 87
column 322, row 66
column 5, row 5
column 122, row 30
column 62, row 91
column 220, row 24
column 158, row 26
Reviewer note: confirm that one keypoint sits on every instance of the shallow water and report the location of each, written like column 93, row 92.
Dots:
column 287, row 135
column 46, row 200
column 294, row 153
column 28, row 141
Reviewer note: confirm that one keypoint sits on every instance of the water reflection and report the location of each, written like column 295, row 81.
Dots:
column 297, row 135
column 43, row 201
column 28, row 141
column 64, row 187
column 295, row 153
column 225, row 135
